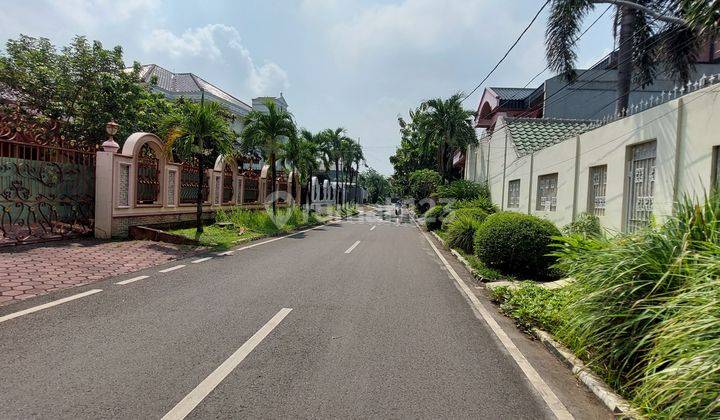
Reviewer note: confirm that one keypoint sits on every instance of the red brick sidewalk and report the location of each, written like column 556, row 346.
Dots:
column 30, row 270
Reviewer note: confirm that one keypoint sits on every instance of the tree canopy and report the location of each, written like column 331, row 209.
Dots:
column 81, row 87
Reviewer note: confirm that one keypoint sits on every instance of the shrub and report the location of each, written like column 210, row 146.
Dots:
column 516, row 243
column 434, row 217
column 645, row 311
column 423, row 184
column 461, row 232
column 475, row 213
column 449, row 218
column 481, row 202
column 463, row 190
column 587, row 225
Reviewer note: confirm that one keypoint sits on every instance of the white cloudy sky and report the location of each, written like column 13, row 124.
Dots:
column 350, row 63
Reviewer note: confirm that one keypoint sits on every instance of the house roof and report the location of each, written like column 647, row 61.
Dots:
column 533, row 134
column 186, row 83
column 512, row 93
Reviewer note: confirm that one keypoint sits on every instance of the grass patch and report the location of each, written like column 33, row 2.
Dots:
column 532, row 305
column 217, row 237
column 249, row 224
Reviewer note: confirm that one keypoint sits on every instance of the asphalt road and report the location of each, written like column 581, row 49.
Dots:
column 376, row 330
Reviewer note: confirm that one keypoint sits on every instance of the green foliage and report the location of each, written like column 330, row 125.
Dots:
column 482, row 270
column 473, row 213
column 450, row 126
column 645, row 311
column 587, row 225
column 417, row 151
column 424, row 183
column 532, row 305
column 377, row 186
column 481, row 202
column 308, row 155
column 449, row 218
column 461, row 231
column 516, row 243
column 199, row 130
column 434, row 217
column 462, row 189
column 82, row 87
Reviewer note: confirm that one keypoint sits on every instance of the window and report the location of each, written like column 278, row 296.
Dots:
column 596, row 190
column 640, row 185
column 547, row 193
column 514, row 194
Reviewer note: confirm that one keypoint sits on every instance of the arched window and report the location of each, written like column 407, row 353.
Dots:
column 148, row 177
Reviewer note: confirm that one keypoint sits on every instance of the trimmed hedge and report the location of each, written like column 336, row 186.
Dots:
column 517, row 243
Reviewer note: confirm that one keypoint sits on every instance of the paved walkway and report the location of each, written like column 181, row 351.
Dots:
column 31, row 270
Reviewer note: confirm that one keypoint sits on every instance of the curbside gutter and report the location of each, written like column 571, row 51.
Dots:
column 619, row 406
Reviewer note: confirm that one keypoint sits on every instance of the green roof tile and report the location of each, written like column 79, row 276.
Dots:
column 533, row 134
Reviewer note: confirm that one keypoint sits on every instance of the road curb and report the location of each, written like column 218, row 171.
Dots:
column 619, row 406
column 614, row 402
column 460, row 258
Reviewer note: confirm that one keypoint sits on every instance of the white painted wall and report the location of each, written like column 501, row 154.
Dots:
column 687, row 128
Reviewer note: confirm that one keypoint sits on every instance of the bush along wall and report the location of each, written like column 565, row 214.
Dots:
column 645, row 311
column 516, row 243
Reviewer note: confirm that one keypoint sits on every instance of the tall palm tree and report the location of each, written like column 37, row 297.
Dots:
column 355, row 156
column 647, row 32
column 201, row 131
column 333, row 146
column 309, row 154
column 451, row 126
column 266, row 132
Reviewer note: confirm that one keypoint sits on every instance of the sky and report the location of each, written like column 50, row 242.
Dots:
column 356, row 64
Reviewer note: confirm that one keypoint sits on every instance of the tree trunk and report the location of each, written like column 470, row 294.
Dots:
column 309, row 193
column 337, row 183
column 201, row 181
column 272, row 185
column 625, row 64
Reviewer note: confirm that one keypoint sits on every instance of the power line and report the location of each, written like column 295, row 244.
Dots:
column 509, row 50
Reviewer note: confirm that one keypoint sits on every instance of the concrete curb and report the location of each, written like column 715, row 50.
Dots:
column 617, row 404
column 460, row 258
column 614, row 402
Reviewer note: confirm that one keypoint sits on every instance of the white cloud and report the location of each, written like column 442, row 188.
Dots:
column 222, row 44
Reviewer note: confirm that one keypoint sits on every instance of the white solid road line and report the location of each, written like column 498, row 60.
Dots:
column 349, row 250
column 553, row 402
column 373, row 228
column 167, row 270
column 195, row 397
column 134, row 279
column 48, row 305
column 201, row 260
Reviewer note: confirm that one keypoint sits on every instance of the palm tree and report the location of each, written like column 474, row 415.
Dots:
column 309, row 154
column 645, row 35
column 355, row 156
column 450, row 125
column 332, row 147
column 266, row 132
column 201, row 131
